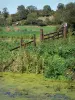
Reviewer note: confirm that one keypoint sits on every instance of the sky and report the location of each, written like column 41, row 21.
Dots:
column 13, row 4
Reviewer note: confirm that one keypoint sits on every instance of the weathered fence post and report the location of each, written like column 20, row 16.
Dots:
column 65, row 30
column 21, row 42
column 41, row 35
column 34, row 40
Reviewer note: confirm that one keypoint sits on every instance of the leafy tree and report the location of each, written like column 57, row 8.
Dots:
column 59, row 17
column 40, row 13
column 70, row 6
column 1, row 19
column 5, row 13
column 15, row 17
column 70, row 13
column 31, row 18
column 60, row 6
column 46, row 10
column 9, row 20
column 22, row 12
column 65, row 13
column 31, row 8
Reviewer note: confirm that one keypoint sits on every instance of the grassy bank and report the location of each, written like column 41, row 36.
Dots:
column 15, row 86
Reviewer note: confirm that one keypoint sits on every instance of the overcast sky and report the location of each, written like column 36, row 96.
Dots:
column 13, row 4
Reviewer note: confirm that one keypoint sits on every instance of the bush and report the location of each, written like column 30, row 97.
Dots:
column 70, row 63
column 24, row 22
column 41, row 23
column 54, row 66
column 67, row 51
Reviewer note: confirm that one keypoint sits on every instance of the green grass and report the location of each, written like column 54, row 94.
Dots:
column 25, row 31
column 33, row 87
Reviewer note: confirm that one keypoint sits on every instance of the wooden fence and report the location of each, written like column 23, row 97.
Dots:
column 54, row 35
column 22, row 44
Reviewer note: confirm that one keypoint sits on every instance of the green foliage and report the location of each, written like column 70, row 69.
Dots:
column 9, row 20
column 31, row 8
column 47, row 21
column 70, row 11
column 60, row 6
column 55, row 66
column 2, row 21
column 31, row 18
column 46, row 10
column 58, row 57
column 65, row 13
column 59, row 17
column 41, row 23
column 52, row 57
column 5, row 12
column 15, row 17
column 23, row 22
column 22, row 12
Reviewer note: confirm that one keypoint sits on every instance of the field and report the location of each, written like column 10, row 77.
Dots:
column 44, row 72
column 24, row 31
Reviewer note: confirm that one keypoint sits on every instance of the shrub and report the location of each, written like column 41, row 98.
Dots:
column 24, row 22
column 41, row 23
column 54, row 66
column 67, row 51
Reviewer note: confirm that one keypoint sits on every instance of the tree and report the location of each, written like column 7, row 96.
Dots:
column 5, row 13
column 9, row 20
column 46, row 10
column 40, row 13
column 31, row 8
column 60, row 6
column 31, row 18
column 70, row 6
column 59, row 17
column 2, row 21
column 22, row 12
column 15, row 17
column 65, row 15
column 70, row 14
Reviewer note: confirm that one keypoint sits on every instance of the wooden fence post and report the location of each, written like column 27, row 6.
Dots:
column 65, row 30
column 41, row 35
column 34, row 40
column 21, row 42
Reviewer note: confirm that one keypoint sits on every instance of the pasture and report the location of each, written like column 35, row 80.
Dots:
column 24, row 31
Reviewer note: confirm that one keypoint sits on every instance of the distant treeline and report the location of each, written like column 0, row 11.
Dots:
column 46, row 16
